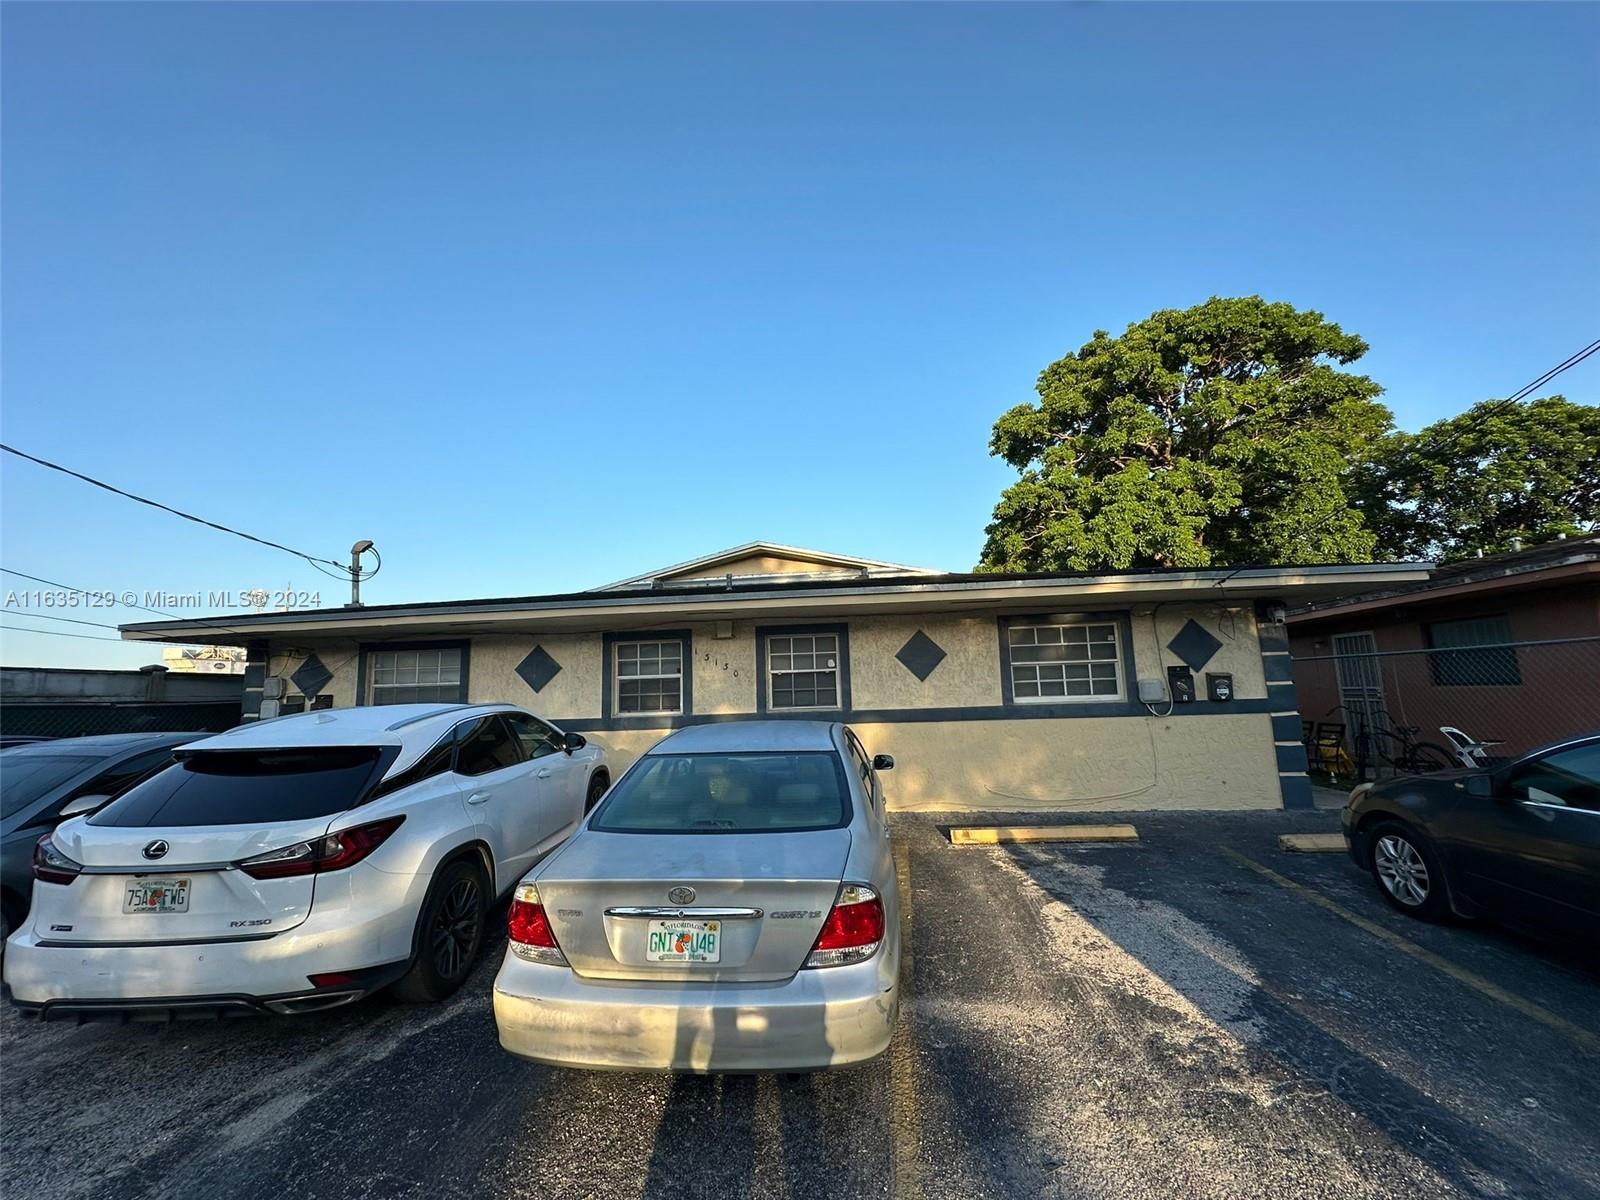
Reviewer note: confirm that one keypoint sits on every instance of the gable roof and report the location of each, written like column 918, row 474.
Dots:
column 706, row 566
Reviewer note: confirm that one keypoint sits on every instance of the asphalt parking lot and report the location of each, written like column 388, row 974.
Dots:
column 1197, row 1015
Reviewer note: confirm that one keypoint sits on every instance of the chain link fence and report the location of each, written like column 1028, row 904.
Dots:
column 1368, row 714
column 81, row 720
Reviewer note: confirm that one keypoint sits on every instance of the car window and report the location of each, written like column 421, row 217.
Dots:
column 112, row 780
column 27, row 777
column 535, row 737
column 486, row 746
column 437, row 761
column 728, row 793
column 1569, row 777
column 238, row 787
column 862, row 764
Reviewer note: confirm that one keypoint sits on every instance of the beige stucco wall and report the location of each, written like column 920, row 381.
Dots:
column 1128, row 762
column 756, row 564
column 336, row 655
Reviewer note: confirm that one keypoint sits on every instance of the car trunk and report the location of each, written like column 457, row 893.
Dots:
column 774, row 891
column 206, row 903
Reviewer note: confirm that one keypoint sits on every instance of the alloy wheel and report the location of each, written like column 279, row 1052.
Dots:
column 455, row 928
column 1401, row 870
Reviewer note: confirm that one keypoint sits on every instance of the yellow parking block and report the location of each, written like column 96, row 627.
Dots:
column 994, row 835
column 1312, row 843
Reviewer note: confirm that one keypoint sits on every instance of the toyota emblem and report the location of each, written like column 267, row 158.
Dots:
column 156, row 849
column 681, row 895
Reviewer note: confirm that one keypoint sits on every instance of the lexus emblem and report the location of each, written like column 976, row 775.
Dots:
column 156, row 849
column 681, row 895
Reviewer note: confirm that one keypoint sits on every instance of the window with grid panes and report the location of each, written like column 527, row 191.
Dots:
column 415, row 676
column 649, row 676
column 1065, row 661
column 803, row 670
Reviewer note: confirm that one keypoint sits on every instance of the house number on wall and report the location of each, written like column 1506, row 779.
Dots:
column 723, row 663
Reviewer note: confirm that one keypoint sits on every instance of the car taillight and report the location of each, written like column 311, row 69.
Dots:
column 333, row 852
column 52, row 866
column 528, row 927
column 853, row 930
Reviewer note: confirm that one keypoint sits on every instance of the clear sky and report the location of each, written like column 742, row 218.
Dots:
column 537, row 297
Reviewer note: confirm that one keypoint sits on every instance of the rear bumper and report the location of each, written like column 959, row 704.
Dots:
column 266, row 974
column 829, row 1017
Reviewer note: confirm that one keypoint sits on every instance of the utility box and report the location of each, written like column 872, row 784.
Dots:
column 1219, row 686
column 1180, row 685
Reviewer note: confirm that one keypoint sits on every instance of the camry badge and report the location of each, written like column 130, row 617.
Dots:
column 156, row 849
column 681, row 895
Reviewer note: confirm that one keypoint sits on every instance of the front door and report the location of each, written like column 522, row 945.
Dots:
column 1361, row 692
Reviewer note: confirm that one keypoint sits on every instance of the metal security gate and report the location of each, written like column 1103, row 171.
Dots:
column 1360, row 689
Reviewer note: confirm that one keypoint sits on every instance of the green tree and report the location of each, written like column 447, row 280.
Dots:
column 1479, row 480
column 1219, row 434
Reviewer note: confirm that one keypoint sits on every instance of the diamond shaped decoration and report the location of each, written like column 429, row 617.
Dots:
column 921, row 655
column 538, row 668
column 311, row 677
column 1194, row 645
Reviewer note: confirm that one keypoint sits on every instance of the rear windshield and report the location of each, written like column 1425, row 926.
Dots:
column 727, row 793
column 26, row 777
column 247, row 787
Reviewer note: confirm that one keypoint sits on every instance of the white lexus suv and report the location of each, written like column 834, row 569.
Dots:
column 300, row 863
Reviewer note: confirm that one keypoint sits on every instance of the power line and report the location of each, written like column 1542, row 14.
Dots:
column 88, row 637
column 222, row 628
column 249, row 537
column 33, row 616
column 1496, row 406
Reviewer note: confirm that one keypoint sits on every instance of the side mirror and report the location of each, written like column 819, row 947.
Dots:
column 573, row 741
column 883, row 762
column 78, row 805
column 1479, row 785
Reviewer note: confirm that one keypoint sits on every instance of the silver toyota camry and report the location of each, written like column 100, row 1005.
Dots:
column 729, row 906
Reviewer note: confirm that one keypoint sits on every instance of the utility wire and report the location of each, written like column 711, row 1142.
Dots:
column 1495, row 407
column 88, row 637
column 217, row 625
column 33, row 616
column 249, row 537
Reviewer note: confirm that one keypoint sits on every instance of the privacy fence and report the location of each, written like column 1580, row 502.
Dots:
column 1368, row 714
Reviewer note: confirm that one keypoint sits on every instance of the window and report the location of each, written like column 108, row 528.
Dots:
column 110, row 782
column 649, row 676
column 437, row 761
column 535, row 737
column 1568, row 777
column 1080, row 660
column 247, row 787
column 862, row 762
column 1496, row 665
column 486, row 745
column 803, row 670
column 728, row 793
column 415, row 676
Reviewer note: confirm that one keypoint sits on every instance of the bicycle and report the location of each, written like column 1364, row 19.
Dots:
column 1396, row 745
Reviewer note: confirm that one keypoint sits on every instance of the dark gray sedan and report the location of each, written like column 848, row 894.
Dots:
column 1519, row 841
column 43, row 783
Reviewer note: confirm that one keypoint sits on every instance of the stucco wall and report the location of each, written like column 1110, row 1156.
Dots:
column 990, row 760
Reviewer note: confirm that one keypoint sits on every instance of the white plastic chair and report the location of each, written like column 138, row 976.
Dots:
column 1470, row 752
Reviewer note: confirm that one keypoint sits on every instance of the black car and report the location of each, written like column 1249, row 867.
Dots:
column 1519, row 841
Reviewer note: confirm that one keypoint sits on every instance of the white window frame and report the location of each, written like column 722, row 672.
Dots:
column 837, row 670
column 1115, row 661
column 617, row 676
column 375, row 667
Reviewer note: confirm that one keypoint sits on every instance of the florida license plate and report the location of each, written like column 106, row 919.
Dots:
column 156, row 896
column 684, row 941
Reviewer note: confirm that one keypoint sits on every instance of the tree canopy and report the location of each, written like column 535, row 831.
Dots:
column 1219, row 434
column 1478, row 481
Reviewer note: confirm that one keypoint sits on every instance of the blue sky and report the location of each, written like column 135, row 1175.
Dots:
column 541, row 296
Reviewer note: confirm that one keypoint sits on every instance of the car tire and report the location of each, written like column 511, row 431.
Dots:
column 597, row 788
column 449, row 934
column 1408, row 871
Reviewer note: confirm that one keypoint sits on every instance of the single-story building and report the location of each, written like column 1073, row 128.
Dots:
column 1505, row 648
column 1131, row 689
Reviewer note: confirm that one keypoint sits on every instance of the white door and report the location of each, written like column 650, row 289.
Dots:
column 504, row 795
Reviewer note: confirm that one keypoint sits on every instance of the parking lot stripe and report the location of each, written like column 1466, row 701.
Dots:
column 905, row 1127
column 1478, row 983
column 995, row 835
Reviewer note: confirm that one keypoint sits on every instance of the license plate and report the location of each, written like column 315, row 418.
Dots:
column 156, row 896
column 684, row 941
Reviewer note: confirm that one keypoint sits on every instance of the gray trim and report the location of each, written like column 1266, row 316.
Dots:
column 1130, row 685
column 1286, row 727
column 608, row 670
column 889, row 716
column 1291, row 757
column 762, row 632
column 365, row 648
column 258, row 659
column 1282, row 696
column 1296, row 791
